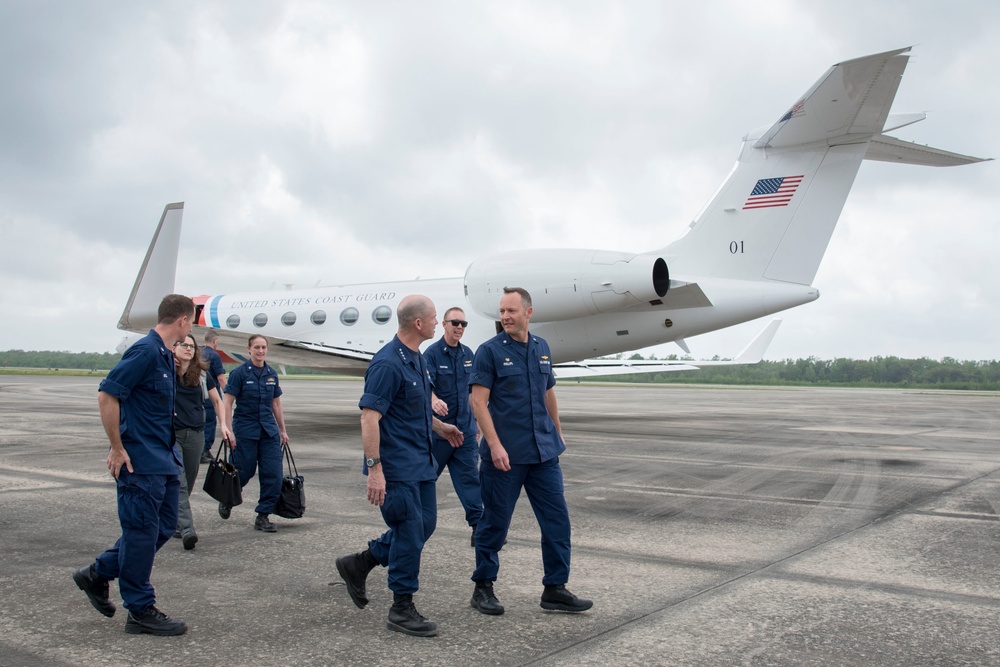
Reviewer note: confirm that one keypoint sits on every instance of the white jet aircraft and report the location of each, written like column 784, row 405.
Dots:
column 751, row 252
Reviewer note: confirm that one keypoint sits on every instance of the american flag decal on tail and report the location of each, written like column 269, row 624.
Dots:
column 771, row 192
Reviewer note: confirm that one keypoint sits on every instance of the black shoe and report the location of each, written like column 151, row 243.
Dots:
column 152, row 621
column 190, row 541
column 354, row 570
column 557, row 598
column 177, row 534
column 207, row 457
column 96, row 588
column 224, row 510
column 483, row 599
column 263, row 523
column 404, row 617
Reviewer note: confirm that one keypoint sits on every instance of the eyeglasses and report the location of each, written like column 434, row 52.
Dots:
column 189, row 346
column 457, row 323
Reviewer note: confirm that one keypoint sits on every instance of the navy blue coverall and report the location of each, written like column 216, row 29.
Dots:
column 518, row 375
column 450, row 369
column 258, row 439
column 143, row 383
column 215, row 369
column 398, row 387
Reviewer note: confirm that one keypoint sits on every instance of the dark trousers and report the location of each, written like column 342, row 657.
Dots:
column 210, row 419
column 147, row 510
column 256, row 448
column 189, row 442
column 463, row 466
column 410, row 511
column 543, row 484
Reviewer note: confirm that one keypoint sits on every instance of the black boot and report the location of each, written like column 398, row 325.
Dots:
column 96, row 588
column 152, row 621
column 262, row 522
column 557, row 598
column 484, row 600
column 404, row 617
column 225, row 510
column 354, row 570
column 190, row 540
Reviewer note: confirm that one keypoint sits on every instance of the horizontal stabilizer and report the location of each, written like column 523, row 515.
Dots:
column 751, row 354
column 890, row 149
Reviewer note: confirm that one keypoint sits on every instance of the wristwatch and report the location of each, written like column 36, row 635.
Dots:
column 372, row 462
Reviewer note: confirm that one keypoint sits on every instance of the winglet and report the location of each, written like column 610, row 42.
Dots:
column 755, row 349
column 157, row 274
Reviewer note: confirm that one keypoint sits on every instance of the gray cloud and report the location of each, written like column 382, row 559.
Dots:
column 344, row 142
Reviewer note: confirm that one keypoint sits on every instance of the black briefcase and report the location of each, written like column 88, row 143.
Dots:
column 292, row 501
column 222, row 481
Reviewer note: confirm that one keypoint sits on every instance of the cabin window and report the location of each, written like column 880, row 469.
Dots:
column 382, row 314
column 318, row 318
column 288, row 319
column 233, row 321
column 260, row 320
column 349, row 316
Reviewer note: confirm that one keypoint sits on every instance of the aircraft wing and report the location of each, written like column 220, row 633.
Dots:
column 283, row 352
column 751, row 354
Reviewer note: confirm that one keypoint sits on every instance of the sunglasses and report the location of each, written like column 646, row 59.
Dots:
column 189, row 346
column 457, row 323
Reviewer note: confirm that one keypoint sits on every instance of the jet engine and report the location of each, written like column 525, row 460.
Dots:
column 566, row 284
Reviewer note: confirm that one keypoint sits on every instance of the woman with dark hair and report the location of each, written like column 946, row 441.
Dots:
column 194, row 385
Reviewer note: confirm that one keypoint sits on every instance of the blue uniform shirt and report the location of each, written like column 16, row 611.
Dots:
column 215, row 368
column 143, row 383
column 518, row 375
column 255, row 389
column 397, row 386
column 450, row 369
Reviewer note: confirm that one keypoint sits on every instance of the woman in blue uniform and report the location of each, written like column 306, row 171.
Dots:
column 258, row 427
column 193, row 383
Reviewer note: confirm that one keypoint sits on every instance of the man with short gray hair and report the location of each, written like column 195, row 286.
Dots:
column 397, row 426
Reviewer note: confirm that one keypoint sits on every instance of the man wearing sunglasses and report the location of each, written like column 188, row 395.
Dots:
column 449, row 364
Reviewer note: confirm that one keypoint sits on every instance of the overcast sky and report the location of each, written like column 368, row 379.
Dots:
column 333, row 142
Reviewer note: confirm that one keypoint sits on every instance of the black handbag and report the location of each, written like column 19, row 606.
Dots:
column 222, row 481
column 292, row 501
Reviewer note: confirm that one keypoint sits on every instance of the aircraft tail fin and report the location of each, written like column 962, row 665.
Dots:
column 157, row 274
column 773, row 217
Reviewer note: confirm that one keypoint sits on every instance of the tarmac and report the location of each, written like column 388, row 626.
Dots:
column 711, row 526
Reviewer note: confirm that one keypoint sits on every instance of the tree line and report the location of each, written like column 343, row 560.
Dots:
column 923, row 373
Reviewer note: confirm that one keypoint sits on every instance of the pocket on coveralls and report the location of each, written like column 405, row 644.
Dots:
column 135, row 510
column 398, row 505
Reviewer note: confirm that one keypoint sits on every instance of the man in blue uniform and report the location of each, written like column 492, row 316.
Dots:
column 396, row 433
column 258, row 428
column 450, row 365
column 136, row 401
column 218, row 372
column 514, row 402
